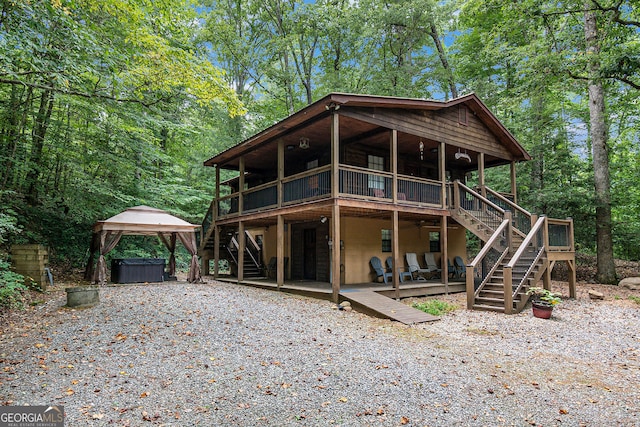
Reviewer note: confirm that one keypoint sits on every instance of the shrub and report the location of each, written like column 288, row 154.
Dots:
column 12, row 287
column 434, row 307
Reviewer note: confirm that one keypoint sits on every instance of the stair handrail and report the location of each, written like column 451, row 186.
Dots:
column 479, row 196
column 470, row 268
column 236, row 245
column 509, row 292
column 253, row 247
column 522, row 223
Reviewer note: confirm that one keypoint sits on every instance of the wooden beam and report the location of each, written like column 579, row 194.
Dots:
column 394, row 165
column 481, row 181
column 514, row 187
column 395, row 253
column 241, row 246
column 217, row 195
column 335, row 253
column 335, row 155
column 280, row 273
column 444, row 247
column 442, row 160
column 216, row 252
column 280, row 171
column 241, row 187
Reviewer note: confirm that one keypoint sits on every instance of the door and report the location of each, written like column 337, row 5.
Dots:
column 309, row 254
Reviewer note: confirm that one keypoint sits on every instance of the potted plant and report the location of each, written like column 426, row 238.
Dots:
column 543, row 301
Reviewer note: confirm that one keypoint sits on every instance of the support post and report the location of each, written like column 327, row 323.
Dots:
column 280, row 273
column 481, row 181
column 395, row 252
column 508, row 290
column 335, row 154
column 280, row 171
column 241, row 186
column 394, row 166
column 444, row 246
column 216, row 252
column 514, row 187
column 241, row 247
column 443, row 174
column 335, row 252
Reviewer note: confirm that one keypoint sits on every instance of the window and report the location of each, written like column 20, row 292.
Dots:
column 462, row 114
column 434, row 241
column 386, row 240
column 376, row 163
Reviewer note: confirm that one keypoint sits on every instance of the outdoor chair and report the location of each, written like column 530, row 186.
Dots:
column 459, row 267
column 376, row 264
column 414, row 268
column 431, row 265
column 271, row 270
column 401, row 274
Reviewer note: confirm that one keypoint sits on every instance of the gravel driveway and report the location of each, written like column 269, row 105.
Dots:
column 220, row 354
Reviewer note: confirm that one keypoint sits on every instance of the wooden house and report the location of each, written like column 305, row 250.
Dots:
column 351, row 177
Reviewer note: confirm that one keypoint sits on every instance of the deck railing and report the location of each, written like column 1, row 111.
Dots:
column 560, row 235
column 261, row 197
column 308, row 185
column 316, row 184
column 419, row 190
column 355, row 181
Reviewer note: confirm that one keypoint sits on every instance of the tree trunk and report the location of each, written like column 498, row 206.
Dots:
column 38, row 133
column 606, row 269
column 433, row 32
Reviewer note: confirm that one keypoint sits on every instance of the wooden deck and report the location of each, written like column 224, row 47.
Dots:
column 380, row 306
column 375, row 299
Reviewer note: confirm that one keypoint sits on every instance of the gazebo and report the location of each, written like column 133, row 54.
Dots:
column 142, row 220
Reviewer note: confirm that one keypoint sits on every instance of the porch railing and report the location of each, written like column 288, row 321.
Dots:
column 419, row 190
column 482, row 209
column 308, row 185
column 261, row 197
column 355, row 181
column 560, row 235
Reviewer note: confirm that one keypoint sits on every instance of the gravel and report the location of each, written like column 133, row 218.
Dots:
column 220, row 354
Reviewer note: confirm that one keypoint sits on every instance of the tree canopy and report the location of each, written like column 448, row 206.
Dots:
column 114, row 103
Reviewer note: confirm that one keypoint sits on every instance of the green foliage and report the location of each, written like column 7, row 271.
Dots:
column 543, row 295
column 434, row 307
column 12, row 287
column 634, row 299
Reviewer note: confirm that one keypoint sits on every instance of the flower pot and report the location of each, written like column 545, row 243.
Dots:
column 541, row 311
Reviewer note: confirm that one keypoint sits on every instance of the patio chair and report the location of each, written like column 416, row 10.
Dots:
column 431, row 265
column 401, row 274
column 271, row 268
column 376, row 264
column 414, row 268
column 460, row 268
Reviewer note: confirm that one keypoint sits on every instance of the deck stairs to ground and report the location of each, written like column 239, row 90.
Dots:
column 505, row 227
column 252, row 256
column 378, row 305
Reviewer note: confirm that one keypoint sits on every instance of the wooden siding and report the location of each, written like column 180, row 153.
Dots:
column 437, row 126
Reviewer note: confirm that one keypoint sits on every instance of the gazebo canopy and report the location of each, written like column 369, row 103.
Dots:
column 144, row 220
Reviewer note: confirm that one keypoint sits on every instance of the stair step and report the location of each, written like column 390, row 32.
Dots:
column 488, row 308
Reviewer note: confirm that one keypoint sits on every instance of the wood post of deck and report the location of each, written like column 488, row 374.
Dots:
column 216, row 252
column 335, row 154
column 571, row 264
column 280, row 172
column 471, row 292
column 546, row 276
column 443, row 174
column 280, row 273
column 241, row 186
column 335, row 252
column 395, row 252
column 241, row 245
column 508, row 290
column 514, row 187
column 481, row 181
column 394, row 166
column 444, row 247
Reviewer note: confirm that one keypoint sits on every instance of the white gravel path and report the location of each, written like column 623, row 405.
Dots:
column 220, row 354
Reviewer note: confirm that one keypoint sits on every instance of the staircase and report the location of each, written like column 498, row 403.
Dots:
column 252, row 266
column 513, row 257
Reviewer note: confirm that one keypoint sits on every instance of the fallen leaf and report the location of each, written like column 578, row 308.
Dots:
column 144, row 394
column 404, row 420
column 343, row 399
column 563, row 411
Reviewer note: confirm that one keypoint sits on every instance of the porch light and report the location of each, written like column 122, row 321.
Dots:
column 421, row 145
column 304, row 143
